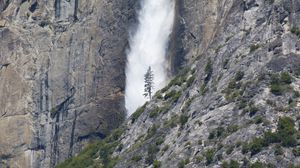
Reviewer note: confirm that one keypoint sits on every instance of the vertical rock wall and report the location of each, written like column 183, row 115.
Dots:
column 61, row 76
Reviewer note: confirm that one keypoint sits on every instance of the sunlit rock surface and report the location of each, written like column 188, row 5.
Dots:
column 62, row 76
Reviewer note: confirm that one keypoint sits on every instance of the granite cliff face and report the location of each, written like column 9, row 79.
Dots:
column 61, row 76
column 236, row 102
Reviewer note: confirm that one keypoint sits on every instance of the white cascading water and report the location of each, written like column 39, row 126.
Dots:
column 148, row 48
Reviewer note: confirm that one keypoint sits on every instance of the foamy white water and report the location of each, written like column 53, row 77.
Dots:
column 148, row 48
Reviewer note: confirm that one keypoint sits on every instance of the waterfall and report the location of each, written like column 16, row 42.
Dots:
column 148, row 48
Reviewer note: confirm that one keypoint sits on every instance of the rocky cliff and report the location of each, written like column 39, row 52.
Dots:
column 61, row 76
column 236, row 102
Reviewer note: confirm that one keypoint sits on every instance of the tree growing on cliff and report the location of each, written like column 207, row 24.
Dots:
column 148, row 78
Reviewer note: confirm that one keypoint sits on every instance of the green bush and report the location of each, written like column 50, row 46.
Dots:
column 153, row 149
column 258, row 120
column 230, row 150
column 286, row 78
column 254, row 47
column 174, row 95
column 154, row 113
column 208, row 70
column 234, row 164
column 172, row 122
column 151, row 131
column 257, row 165
column 280, row 83
column 232, row 128
column 285, row 135
column 102, row 149
column 239, row 75
column 278, row 150
column 211, row 135
column 209, row 155
column 136, row 158
column 138, row 113
column 160, row 140
column 245, row 148
column 296, row 31
column 270, row 138
column 183, row 119
column 256, row 145
column 220, row 131
column 181, row 164
column 252, row 110
column 156, row 164
column 287, row 132
column 276, row 89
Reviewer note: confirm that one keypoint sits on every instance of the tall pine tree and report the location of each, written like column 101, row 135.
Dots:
column 148, row 78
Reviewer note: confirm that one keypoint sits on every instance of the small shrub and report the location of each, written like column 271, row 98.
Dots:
column 154, row 113
column 211, row 135
column 258, row 120
column 229, row 150
column 160, row 140
column 220, row 131
column 232, row 128
column 174, row 95
column 152, row 150
column 254, row 47
column 183, row 119
column 208, row 70
column 172, row 122
column 137, row 113
column 252, row 110
column 286, row 78
column 156, row 164
column 278, row 150
column 136, row 158
column 270, row 138
column 225, row 164
column 242, row 104
column 239, row 75
column 245, row 148
column 209, row 155
column 256, row 145
column 225, row 64
column 296, row 31
column 181, row 164
column 296, row 151
column 276, row 89
column 257, row 165
column 179, row 80
column 286, row 131
column 151, row 132
column 234, row 164
column 280, row 83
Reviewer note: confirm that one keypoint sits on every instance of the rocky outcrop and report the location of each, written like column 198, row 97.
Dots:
column 237, row 102
column 61, row 76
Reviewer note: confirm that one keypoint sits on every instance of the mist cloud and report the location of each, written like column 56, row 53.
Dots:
column 148, row 48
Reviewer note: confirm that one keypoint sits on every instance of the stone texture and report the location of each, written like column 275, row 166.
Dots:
column 61, row 76
column 251, row 36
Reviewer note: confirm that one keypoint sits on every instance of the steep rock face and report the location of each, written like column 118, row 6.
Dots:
column 61, row 76
column 237, row 102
